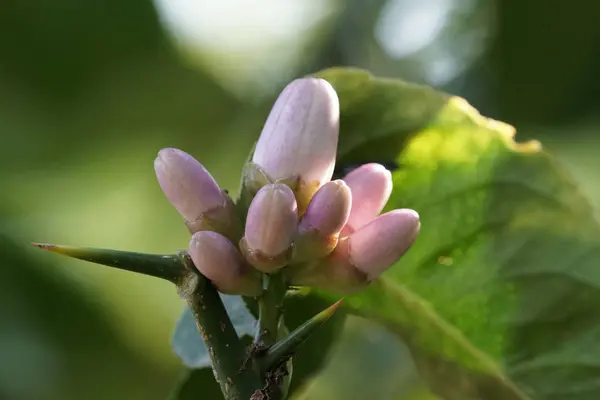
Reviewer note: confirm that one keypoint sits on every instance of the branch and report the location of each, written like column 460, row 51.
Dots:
column 270, row 309
column 237, row 380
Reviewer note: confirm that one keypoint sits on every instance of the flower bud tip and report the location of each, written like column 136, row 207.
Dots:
column 371, row 186
column 187, row 184
column 379, row 244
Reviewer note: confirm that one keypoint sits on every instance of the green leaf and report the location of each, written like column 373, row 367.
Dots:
column 399, row 110
column 187, row 341
column 498, row 298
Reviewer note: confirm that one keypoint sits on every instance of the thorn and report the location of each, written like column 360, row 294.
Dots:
column 169, row 267
column 44, row 246
column 333, row 308
column 285, row 348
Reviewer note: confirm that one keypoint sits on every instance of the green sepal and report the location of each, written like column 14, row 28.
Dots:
column 253, row 178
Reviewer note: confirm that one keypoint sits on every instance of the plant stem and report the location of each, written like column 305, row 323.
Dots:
column 270, row 309
column 270, row 318
column 227, row 353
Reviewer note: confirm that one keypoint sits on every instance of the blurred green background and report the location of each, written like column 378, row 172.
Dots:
column 91, row 90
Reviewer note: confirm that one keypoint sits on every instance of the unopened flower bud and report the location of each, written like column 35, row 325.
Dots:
column 299, row 140
column 371, row 186
column 270, row 227
column 219, row 261
column 195, row 194
column 379, row 244
column 364, row 255
column 326, row 215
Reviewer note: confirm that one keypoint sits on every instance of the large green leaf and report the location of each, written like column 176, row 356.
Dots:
column 498, row 297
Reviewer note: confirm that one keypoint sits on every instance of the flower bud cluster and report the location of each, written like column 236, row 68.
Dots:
column 319, row 232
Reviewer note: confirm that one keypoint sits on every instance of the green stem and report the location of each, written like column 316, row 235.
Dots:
column 270, row 309
column 227, row 352
column 270, row 318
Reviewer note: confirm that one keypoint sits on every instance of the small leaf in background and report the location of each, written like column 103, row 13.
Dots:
column 187, row 341
column 498, row 298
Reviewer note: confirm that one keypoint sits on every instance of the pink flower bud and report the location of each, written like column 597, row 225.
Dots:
column 371, row 186
column 329, row 209
column 325, row 217
column 379, row 244
column 219, row 261
column 195, row 194
column 186, row 183
column 299, row 139
column 270, row 227
column 363, row 256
